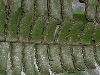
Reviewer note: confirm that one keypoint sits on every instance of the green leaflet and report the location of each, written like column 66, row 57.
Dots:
column 91, row 9
column 66, row 58
column 97, row 54
column 78, row 58
column 12, row 26
column 75, row 32
column 51, row 27
column 41, row 8
column 2, row 19
column 90, row 12
column 55, row 9
column 28, row 60
column 55, row 64
column 37, row 32
column 25, row 27
column 16, row 58
column 64, row 32
column 97, row 35
column 4, row 48
column 14, row 19
column 27, row 20
column 87, row 33
column 98, row 13
column 89, row 57
column 42, row 59
column 67, row 9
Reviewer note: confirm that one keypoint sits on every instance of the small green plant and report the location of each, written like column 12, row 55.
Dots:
column 44, row 36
